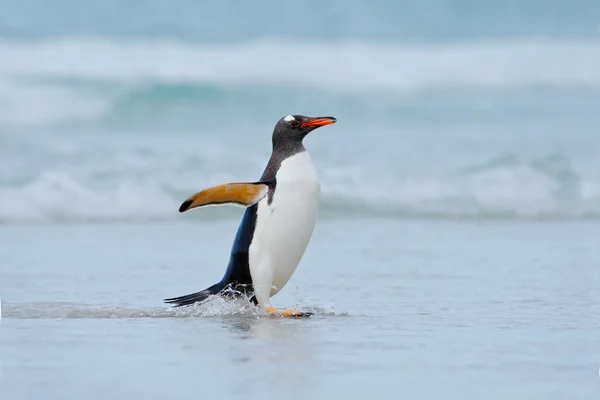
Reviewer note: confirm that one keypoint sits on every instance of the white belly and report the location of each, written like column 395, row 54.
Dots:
column 284, row 227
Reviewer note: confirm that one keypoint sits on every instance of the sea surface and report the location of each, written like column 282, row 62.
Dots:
column 457, row 251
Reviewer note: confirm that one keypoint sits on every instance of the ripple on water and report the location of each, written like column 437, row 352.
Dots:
column 213, row 307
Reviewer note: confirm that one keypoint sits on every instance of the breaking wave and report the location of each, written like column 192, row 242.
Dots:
column 374, row 65
column 99, row 79
column 204, row 94
column 507, row 188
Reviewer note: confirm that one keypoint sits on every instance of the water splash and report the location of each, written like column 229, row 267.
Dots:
column 213, row 307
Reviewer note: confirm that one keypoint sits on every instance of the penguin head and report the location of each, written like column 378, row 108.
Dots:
column 294, row 128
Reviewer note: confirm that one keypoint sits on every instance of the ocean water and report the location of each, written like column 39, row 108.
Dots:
column 417, row 309
column 456, row 249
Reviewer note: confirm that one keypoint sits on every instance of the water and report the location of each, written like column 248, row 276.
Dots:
column 455, row 254
column 417, row 309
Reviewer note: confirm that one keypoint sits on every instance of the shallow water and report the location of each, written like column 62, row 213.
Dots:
column 416, row 309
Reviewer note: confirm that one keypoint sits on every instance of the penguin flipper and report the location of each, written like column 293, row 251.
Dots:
column 244, row 194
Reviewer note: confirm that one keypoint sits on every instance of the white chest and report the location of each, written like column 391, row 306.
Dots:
column 284, row 227
column 298, row 170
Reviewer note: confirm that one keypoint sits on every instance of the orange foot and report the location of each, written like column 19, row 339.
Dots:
column 286, row 313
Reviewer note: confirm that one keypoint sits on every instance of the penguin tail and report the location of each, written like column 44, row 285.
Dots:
column 195, row 297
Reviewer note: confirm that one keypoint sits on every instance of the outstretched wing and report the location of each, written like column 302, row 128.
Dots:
column 242, row 194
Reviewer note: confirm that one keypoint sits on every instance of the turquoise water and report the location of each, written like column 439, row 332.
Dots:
column 445, row 109
column 323, row 20
column 459, row 214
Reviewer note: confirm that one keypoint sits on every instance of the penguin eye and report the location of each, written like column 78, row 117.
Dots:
column 294, row 123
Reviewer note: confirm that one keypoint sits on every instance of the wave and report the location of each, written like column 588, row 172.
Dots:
column 341, row 66
column 110, row 85
column 78, row 79
column 504, row 188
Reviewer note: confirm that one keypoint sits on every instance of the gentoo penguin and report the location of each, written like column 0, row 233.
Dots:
column 281, row 211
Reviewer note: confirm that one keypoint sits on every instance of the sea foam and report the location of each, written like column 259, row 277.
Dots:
column 89, row 78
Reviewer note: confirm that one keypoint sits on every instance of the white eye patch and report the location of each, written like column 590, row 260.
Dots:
column 289, row 118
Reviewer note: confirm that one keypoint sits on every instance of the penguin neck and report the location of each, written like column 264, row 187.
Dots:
column 281, row 151
column 287, row 147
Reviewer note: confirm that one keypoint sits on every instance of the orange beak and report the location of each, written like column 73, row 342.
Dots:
column 316, row 122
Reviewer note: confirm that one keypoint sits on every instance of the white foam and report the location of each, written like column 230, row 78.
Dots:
column 212, row 307
column 519, row 190
column 57, row 196
column 502, row 63
column 39, row 104
column 39, row 80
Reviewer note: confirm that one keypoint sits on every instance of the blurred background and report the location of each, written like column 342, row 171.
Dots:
column 118, row 110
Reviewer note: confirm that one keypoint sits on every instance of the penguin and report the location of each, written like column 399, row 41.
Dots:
column 280, row 214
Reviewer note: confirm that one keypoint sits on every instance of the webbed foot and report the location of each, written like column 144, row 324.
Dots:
column 287, row 313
